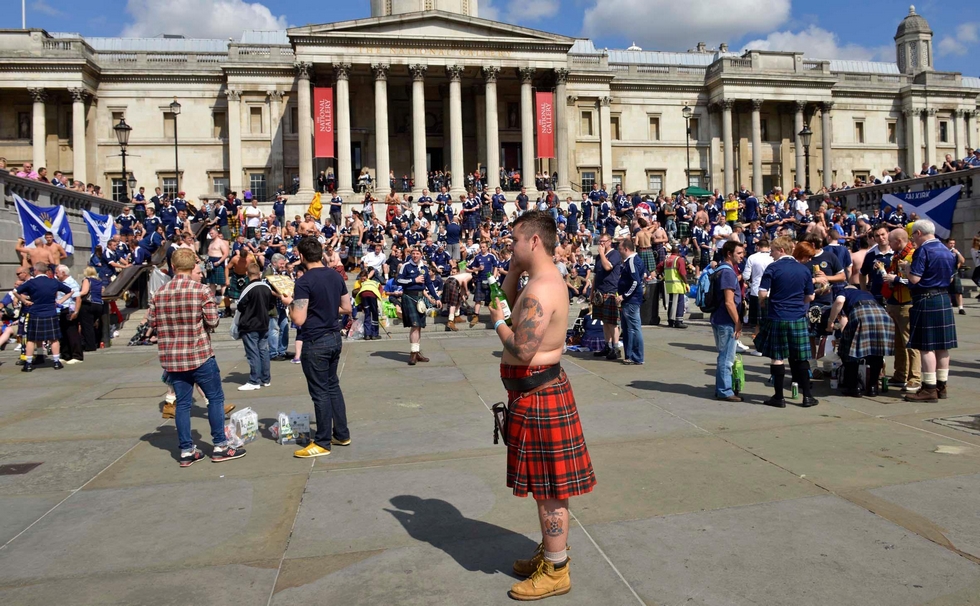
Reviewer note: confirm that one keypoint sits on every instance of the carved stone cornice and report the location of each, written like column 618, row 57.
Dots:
column 342, row 71
column 526, row 74
column 38, row 94
column 304, row 70
column 605, row 101
column 490, row 73
column 380, row 70
column 572, row 100
column 234, row 95
column 756, row 104
column 561, row 75
column 79, row 94
column 418, row 71
column 957, row 113
column 276, row 95
column 454, row 73
column 930, row 111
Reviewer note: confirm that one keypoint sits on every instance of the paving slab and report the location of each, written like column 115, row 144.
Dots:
column 804, row 552
column 62, row 468
column 20, row 511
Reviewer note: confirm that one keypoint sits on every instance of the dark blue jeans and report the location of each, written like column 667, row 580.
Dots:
column 320, row 359
column 208, row 377
column 278, row 335
column 257, row 354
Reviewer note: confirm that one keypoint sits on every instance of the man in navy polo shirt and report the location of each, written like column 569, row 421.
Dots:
column 630, row 296
column 497, row 202
column 454, row 232
column 876, row 262
column 587, row 212
column 726, row 320
column 522, row 201
column 125, row 221
column 279, row 210
column 484, row 264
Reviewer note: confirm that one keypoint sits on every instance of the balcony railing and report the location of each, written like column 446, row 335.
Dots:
column 45, row 194
column 868, row 198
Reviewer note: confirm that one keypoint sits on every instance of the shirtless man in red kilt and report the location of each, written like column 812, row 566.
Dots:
column 546, row 452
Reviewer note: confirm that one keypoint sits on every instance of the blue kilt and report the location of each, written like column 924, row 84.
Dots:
column 931, row 324
column 411, row 318
column 870, row 331
column 784, row 339
column 43, row 329
column 481, row 291
column 472, row 221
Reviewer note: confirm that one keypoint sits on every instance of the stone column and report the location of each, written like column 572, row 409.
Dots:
column 344, row 177
column 827, row 143
column 455, row 74
column 959, row 142
column 383, row 159
column 418, row 127
column 912, row 140
column 714, row 133
column 798, row 145
column 275, row 155
column 756, row 147
column 930, row 140
column 38, row 126
column 235, row 140
column 526, row 75
column 726, row 137
column 304, row 108
column 972, row 136
column 561, row 131
column 493, row 134
column 78, row 96
column 605, row 141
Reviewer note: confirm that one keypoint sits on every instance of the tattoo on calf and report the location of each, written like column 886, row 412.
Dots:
column 553, row 524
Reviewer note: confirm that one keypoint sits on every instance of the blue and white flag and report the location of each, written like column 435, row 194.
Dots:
column 937, row 205
column 36, row 221
column 100, row 227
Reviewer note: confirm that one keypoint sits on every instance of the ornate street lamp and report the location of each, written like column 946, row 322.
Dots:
column 122, row 135
column 805, row 135
column 688, row 112
column 175, row 110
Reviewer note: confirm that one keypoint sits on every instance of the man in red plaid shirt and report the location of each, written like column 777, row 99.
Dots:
column 183, row 313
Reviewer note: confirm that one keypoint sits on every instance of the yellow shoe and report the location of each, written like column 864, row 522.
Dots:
column 337, row 442
column 311, row 451
column 169, row 410
column 545, row 582
column 525, row 568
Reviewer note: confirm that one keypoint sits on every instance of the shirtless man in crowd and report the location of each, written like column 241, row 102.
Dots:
column 45, row 250
column 218, row 256
column 308, row 226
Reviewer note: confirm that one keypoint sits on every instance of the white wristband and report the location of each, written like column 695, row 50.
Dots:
column 497, row 324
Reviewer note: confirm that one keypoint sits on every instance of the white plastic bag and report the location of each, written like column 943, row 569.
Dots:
column 233, row 439
column 246, row 422
column 357, row 329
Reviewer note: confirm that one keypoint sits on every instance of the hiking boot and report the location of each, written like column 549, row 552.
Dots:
column 420, row 357
column 546, row 581
column 451, row 326
column 226, row 453
column 169, row 410
column 412, row 359
column 941, row 390
column 525, row 568
column 190, row 457
column 928, row 393
column 474, row 321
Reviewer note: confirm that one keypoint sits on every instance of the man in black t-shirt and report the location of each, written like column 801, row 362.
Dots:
column 319, row 299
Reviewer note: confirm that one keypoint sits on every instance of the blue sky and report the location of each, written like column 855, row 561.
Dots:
column 826, row 29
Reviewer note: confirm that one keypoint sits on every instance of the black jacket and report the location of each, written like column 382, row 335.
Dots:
column 256, row 307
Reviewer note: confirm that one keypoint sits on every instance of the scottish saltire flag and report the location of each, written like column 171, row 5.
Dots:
column 937, row 205
column 36, row 221
column 100, row 227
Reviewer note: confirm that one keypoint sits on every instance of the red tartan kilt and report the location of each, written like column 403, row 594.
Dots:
column 546, row 451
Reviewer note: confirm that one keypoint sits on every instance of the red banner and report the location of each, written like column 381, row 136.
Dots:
column 545, row 103
column 323, row 125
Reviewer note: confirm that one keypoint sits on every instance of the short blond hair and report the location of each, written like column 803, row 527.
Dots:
column 183, row 259
column 783, row 244
column 90, row 272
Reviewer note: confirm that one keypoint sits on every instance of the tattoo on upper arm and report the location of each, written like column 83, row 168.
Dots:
column 553, row 523
column 300, row 303
column 528, row 328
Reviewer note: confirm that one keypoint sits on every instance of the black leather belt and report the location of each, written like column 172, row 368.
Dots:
column 534, row 381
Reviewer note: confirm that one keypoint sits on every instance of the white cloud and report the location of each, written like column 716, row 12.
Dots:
column 489, row 11
column 669, row 24
column 519, row 11
column 199, row 18
column 967, row 35
column 43, row 7
column 819, row 43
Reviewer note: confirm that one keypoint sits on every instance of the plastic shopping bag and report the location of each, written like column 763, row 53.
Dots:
column 233, row 438
column 246, row 423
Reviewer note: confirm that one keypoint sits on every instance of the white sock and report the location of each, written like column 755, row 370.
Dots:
column 942, row 374
column 556, row 557
column 416, row 347
column 929, row 378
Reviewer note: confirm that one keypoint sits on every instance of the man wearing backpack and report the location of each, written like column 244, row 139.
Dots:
column 726, row 319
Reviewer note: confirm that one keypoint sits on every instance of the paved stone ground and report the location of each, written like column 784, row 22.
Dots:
column 698, row 502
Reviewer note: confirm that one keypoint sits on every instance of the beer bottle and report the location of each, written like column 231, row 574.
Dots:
column 497, row 296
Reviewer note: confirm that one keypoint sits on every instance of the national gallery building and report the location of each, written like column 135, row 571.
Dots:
column 426, row 85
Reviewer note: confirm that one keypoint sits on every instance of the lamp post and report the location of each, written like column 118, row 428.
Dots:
column 688, row 112
column 175, row 110
column 122, row 135
column 805, row 135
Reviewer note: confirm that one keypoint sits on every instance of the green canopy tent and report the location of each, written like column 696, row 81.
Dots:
column 697, row 192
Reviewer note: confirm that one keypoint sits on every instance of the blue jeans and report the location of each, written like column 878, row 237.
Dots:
column 257, row 354
column 320, row 359
column 278, row 335
column 208, row 377
column 725, row 342
column 629, row 315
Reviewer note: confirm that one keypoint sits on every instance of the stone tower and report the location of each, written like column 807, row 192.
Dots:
column 385, row 8
column 913, row 44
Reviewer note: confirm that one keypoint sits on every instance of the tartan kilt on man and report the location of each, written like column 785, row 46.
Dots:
column 608, row 311
column 931, row 323
column 784, row 339
column 870, row 331
column 649, row 260
column 236, row 284
column 452, row 294
column 411, row 318
column 43, row 329
column 546, row 451
column 481, row 291
column 216, row 275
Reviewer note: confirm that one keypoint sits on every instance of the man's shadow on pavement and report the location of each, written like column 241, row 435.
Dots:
column 476, row 546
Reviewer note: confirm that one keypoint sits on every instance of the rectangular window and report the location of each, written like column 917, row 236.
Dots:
column 654, row 128
column 585, row 129
column 64, row 126
column 861, row 176
column 256, row 183
column 255, row 120
column 618, row 179
column 169, row 185
column 694, row 180
column 695, row 126
column 614, row 128
column 764, row 128
column 219, row 128
column 294, row 120
column 891, row 128
column 118, row 189
column 219, row 185
column 859, row 131
column 116, row 117
column 169, row 125
column 655, row 182
column 943, row 131
column 588, row 180
column 25, row 125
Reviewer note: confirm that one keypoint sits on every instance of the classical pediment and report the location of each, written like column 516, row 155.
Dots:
column 429, row 25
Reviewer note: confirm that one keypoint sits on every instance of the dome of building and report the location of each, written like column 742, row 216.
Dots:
column 913, row 23
column 634, row 48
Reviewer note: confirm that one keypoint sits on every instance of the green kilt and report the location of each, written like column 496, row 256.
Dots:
column 236, row 284
column 649, row 259
column 931, row 323
column 411, row 318
column 870, row 331
column 784, row 339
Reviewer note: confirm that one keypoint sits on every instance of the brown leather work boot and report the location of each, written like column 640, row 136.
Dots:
column 451, row 326
column 545, row 582
column 525, row 568
column 420, row 357
column 928, row 393
column 229, row 408
column 412, row 359
column 474, row 321
column 169, row 409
